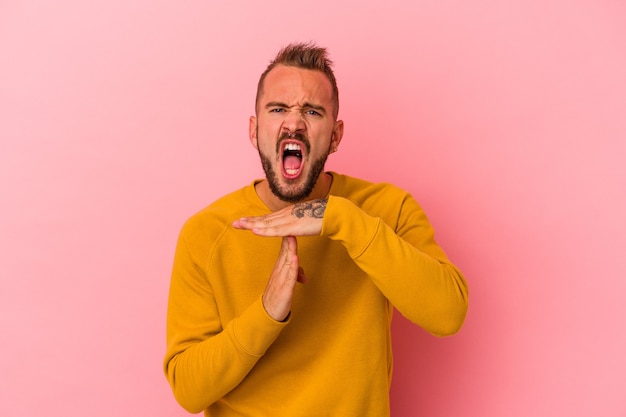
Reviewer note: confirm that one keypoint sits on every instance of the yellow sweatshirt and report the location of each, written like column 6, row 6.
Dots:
column 333, row 356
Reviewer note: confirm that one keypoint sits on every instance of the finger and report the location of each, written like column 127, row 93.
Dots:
column 266, row 225
column 291, row 249
column 259, row 225
column 284, row 254
column 280, row 287
column 290, row 270
column 274, row 219
column 285, row 258
column 286, row 227
column 295, row 271
column 302, row 279
column 290, row 262
column 267, row 228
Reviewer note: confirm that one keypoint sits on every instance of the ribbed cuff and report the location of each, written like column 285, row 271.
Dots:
column 255, row 331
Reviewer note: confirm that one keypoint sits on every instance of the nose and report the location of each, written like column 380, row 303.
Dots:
column 294, row 123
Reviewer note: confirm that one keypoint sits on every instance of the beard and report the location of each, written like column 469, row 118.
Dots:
column 290, row 193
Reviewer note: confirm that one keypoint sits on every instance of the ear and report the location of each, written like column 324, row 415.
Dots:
column 337, row 135
column 252, row 132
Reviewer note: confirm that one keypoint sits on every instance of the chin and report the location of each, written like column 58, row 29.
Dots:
column 296, row 189
column 292, row 196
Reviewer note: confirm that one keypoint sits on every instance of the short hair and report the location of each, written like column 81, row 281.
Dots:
column 305, row 56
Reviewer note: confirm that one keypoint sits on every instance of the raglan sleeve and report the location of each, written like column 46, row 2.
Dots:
column 205, row 359
column 403, row 260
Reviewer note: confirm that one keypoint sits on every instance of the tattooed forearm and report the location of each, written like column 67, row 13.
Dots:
column 314, row 208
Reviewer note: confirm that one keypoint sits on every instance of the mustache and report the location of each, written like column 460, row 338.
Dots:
column 298, row 136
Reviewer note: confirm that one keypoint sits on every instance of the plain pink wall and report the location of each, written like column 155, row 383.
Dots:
column 505, row 119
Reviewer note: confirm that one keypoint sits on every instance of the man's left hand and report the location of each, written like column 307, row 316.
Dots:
column 301, row 219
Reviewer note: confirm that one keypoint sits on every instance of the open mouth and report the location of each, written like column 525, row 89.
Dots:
column 292, row 159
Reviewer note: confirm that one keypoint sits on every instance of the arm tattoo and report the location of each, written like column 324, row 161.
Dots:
column 314, row 208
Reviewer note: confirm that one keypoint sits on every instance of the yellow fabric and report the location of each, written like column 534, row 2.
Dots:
column 333, row 356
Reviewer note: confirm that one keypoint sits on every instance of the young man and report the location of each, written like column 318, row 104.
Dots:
column 282, row 292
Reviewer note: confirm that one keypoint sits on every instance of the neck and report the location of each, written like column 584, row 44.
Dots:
column 321, row 189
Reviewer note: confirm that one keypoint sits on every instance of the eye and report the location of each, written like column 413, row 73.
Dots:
column 277, row 110
column 313, row 112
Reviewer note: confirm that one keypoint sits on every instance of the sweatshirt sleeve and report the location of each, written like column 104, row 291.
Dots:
column 404, row 262
column 204, row 361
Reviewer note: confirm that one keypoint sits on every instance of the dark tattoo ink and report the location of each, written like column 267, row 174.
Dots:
column 314, row 208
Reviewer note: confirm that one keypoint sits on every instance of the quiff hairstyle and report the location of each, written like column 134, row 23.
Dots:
column 305, row 56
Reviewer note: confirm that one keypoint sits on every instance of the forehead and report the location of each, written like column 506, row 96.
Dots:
column 294, row 85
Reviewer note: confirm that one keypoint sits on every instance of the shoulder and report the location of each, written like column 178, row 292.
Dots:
column 213, row 219
column 367, row 193
column 394, row 205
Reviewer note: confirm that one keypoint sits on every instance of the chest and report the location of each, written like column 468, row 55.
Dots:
column 242, row 263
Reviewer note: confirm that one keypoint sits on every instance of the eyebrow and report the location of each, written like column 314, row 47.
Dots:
column 305, row 105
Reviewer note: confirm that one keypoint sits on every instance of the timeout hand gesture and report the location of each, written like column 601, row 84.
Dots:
column 301, row 219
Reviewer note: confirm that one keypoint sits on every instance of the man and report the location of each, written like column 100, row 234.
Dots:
column 282, row 292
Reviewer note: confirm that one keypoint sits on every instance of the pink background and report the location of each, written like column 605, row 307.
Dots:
column 505, row 119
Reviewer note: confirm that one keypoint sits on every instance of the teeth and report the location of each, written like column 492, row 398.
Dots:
column 292, row 147
column 291, row 171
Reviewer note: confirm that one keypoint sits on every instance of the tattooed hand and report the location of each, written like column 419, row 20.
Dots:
column 301, row 219
column 315, row 208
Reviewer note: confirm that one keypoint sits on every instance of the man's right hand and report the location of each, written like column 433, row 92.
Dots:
column 278, row 294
